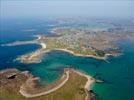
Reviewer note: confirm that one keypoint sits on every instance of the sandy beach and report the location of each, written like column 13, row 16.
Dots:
column 43, row 45
column 88, row 84
column 71, row 52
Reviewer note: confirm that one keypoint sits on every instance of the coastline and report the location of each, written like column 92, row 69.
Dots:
column 67, row 77
column 87, row 86
column 44, row 46
column 82, row 55
column 35, row 57
column 28, row 95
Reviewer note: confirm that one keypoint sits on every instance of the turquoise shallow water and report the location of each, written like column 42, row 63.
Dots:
column 118, row 73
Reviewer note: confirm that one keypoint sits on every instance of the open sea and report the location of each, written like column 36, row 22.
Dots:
column 118, row 72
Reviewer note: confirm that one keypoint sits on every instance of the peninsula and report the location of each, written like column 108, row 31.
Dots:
column 17, row 85
column 94, row 43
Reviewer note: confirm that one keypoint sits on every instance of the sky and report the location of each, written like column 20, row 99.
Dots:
column 88, row 8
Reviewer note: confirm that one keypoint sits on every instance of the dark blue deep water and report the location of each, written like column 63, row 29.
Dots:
column 118, row 72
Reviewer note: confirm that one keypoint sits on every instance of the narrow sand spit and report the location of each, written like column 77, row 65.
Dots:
column 28, row 95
